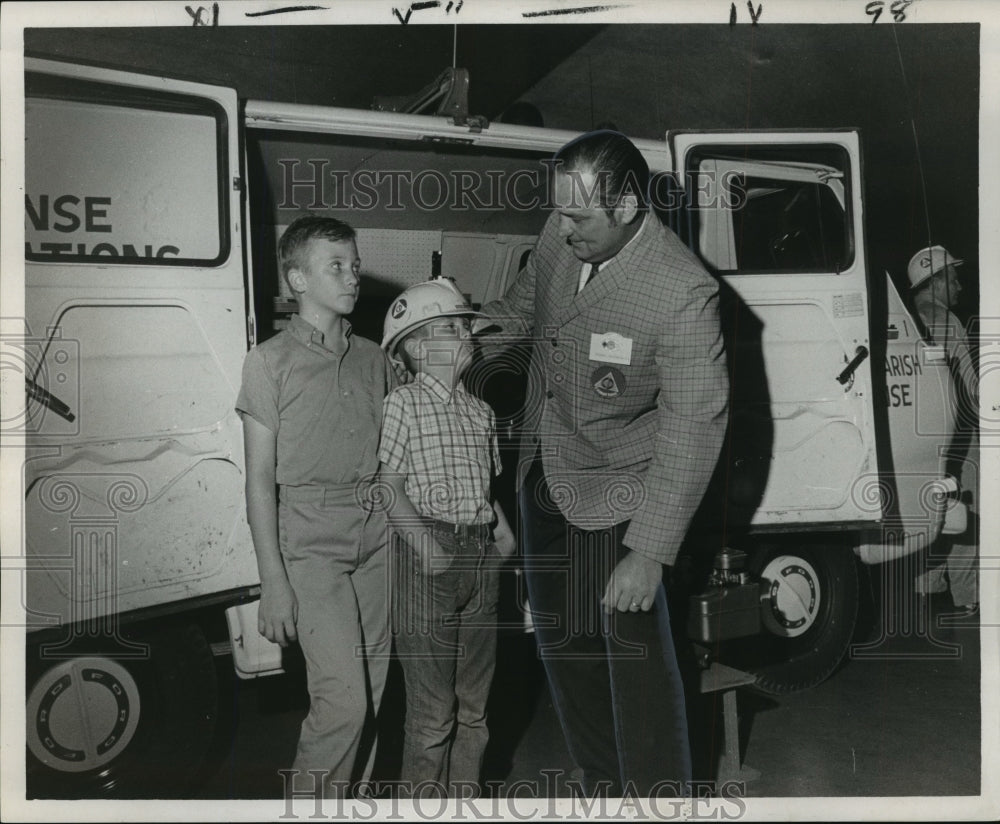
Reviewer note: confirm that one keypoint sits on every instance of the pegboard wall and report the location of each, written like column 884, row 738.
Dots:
column 483, row 265
column 391, row 259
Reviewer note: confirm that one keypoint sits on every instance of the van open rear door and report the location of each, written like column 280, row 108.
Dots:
column 137, row 328
column 778, row 216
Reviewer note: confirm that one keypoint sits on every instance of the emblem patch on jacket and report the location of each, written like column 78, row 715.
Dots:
column 608, row 382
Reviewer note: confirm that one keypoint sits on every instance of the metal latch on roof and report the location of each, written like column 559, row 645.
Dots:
column 450, row 90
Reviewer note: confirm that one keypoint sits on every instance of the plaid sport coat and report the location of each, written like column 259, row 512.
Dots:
column 628, row 387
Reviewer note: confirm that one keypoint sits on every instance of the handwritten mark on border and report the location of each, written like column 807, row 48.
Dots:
column 754, row 16
column 198, row 20
column 897, row 9
column 578, row 10
column 285, row 9
column 426, row 4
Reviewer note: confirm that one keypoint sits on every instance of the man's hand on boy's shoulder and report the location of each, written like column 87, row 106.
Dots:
column 278, row 613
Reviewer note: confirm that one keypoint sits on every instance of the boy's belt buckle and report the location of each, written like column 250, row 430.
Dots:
column 468, row 530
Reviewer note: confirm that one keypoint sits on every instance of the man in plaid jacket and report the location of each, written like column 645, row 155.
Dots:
column 625, row 418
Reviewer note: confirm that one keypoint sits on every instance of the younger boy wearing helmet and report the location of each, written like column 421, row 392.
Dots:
column 438, row 452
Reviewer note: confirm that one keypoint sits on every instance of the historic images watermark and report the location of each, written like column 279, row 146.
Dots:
column 527, row 799
column 311, row 184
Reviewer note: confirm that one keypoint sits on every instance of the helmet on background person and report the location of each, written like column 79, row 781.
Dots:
column 928, row 262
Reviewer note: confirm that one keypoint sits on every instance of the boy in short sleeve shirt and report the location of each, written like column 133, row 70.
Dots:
column 311, row 402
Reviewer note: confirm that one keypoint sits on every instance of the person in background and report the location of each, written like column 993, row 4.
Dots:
column 935, row 289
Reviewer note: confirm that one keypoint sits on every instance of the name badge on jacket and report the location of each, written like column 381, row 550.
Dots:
column 610, row 348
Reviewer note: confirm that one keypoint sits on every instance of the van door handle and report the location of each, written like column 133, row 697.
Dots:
column 859, row 355
column 46, row 398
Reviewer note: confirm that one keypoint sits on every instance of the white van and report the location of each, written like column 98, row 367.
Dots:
column 152, row 210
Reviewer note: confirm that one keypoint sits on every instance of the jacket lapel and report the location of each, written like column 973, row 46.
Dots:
column 603, row 284
column 609, row 281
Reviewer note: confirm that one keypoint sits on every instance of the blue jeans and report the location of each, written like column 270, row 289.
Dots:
column 615, row 681
column 444, row 627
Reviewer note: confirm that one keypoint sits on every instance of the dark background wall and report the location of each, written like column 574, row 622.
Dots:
column 912, row 90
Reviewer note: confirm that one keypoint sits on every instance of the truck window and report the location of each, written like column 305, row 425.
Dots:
column 115, row 176
column 756, row 213
column 787, row 225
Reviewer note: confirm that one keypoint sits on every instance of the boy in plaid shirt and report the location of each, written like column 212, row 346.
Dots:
column 437, row 448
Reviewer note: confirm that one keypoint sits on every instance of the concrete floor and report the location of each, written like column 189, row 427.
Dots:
column 900, row 718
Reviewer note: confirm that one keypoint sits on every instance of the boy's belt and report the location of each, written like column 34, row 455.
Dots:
column 465, row 530
column 330, row 494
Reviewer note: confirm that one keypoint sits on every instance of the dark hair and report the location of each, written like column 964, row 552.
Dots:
column 303, row 230
column 619, row 167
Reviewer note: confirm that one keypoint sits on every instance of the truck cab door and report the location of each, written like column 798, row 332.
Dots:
column 136, row 322
column 778, row 217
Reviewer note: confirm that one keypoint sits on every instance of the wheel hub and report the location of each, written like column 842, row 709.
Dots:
column 82, row 713
column 792, row 598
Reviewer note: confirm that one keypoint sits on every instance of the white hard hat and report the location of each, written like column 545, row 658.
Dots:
column 431, row 299
column 928, row 262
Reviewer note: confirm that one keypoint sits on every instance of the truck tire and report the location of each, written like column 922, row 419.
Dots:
column 102, row 724
column 809, row 606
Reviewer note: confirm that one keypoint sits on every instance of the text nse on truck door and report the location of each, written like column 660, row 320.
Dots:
column 136, row 324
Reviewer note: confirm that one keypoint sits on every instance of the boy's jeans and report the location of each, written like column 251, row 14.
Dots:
column 444, row 625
